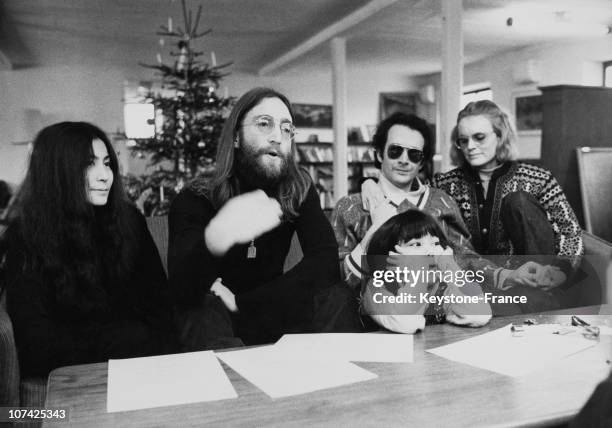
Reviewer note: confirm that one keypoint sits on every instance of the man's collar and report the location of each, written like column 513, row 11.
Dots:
column 397, row 195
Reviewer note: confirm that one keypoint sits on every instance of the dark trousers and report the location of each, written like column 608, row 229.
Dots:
column 211, row 326
column 131, row 338
column 128, row 339
column 533, row 239
column 528, row 228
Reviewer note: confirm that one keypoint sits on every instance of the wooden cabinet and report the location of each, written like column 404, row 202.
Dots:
column 317, row 158
column 573, row 116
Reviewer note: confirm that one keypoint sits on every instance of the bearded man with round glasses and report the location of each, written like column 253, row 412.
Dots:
column 229, row 237
column 403, row 145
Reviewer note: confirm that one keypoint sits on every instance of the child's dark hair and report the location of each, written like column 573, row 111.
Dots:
column 403, row 227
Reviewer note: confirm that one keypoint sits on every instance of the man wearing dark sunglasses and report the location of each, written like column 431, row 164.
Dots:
column 404, row 147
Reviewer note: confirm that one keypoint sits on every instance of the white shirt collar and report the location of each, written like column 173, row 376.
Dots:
column 397, row 195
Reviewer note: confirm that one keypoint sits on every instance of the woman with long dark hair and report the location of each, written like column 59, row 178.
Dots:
column 84, row 279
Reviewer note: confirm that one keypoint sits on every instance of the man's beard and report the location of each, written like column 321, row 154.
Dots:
column 255, row 174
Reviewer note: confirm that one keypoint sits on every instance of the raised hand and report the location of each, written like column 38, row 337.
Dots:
column 242, row 219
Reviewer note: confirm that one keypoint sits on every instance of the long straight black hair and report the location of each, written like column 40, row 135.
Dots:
column 225, row 184
column 66, row 241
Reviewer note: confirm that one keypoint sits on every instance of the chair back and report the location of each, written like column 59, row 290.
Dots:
column 158, row 227
column 295, row 253
column 595, row 175
column 597, row 262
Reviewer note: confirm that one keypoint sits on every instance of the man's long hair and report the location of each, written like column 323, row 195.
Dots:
column 225, row 182
column 66, row 241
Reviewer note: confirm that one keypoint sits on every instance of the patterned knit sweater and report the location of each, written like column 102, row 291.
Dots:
column 490, row 237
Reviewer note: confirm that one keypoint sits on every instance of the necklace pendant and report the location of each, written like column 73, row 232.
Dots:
column 252, row 251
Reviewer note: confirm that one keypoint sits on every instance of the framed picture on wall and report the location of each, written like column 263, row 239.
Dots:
column 312, row 115
column 527, row 110
column 392, row 102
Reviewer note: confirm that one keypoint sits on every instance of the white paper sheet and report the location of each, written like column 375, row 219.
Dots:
column 605, row 330
column 282, row 372
column 374, row 347
column 499, row 351
column 166, row 380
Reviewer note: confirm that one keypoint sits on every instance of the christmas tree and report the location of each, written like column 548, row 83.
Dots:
column 191, row 113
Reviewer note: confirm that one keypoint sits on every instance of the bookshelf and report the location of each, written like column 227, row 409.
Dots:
column 317, row 158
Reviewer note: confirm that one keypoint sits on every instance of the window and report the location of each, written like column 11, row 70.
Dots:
column 139, row 120
column 481, row 93
column 607, row 74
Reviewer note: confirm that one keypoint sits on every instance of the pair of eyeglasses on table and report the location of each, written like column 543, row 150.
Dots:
column 431, row 391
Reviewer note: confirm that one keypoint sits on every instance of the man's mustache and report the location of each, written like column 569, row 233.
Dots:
column 272, row 151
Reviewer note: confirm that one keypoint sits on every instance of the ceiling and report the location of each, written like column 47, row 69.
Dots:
column 384, row 34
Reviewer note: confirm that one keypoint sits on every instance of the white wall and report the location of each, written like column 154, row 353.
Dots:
column 315, row 87
column 576, row 63
column 37, row 97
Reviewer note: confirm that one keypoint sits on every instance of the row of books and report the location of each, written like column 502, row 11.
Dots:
column 315, row 154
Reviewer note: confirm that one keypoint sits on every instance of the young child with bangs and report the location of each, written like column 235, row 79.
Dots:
column 427, row 286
